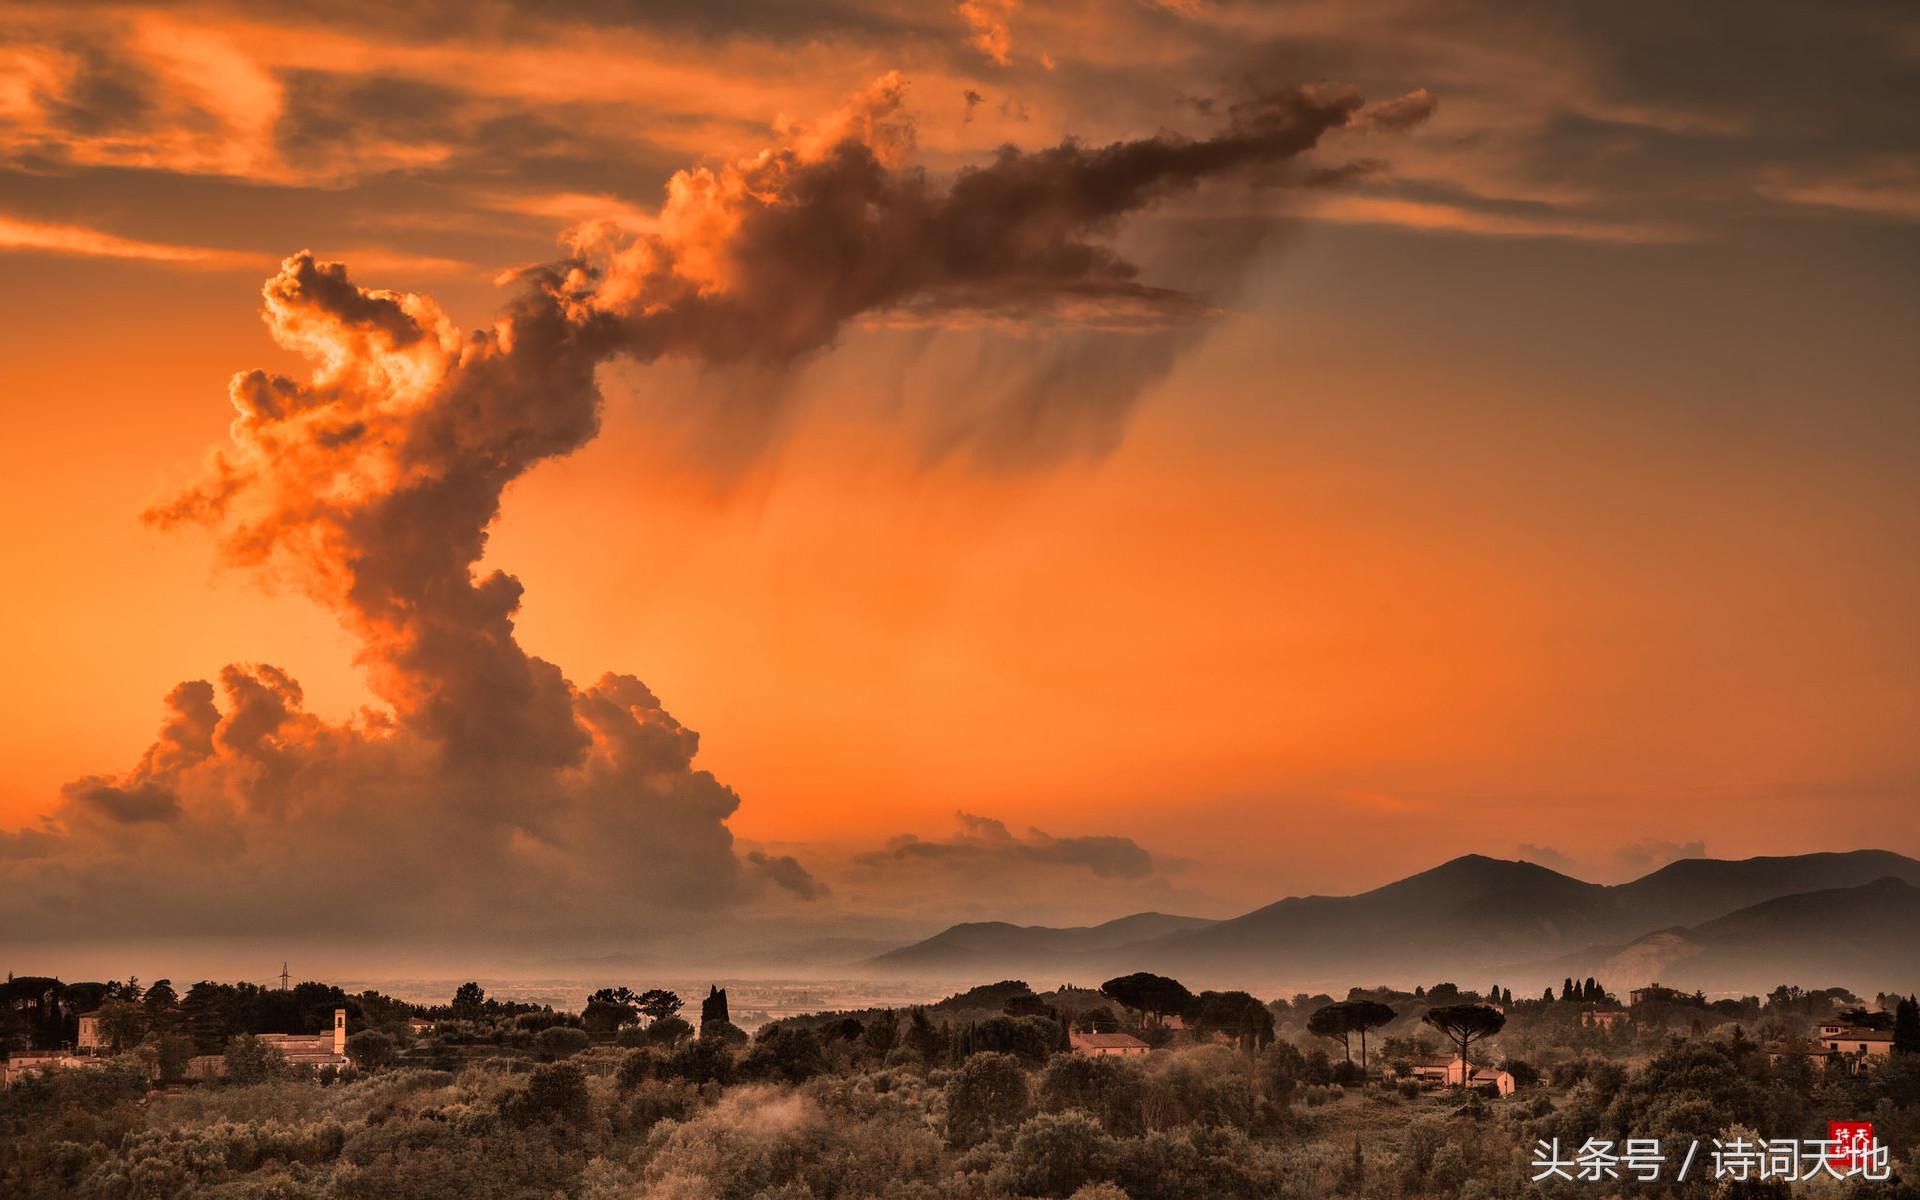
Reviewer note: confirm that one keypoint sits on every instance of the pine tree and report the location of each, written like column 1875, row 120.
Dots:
column 1906, row 1027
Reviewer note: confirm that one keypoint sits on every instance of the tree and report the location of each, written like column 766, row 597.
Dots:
column 1466, row 1024
column 1331, row 1022
column 1341, row 1021
column 1110, row 1088
column 1363, row 1015
column 160, row 997
column 987, row 1093
column 701, row 1060
column 723, row 1032
column 1864, row 1019
column 556, row 1092
column 784, row 1055
column 1906, row 1027
column 1056, row 1154
column 205, row 1010
column 657, row 1004
column 1566, row 989
column 1238, row 1015
column 370, row 1049
column 561, row 1041
column 250, row 1060
column 1155, row 994
column 172, row 1053
column 1097, row 1020
column 469, row 1000
column 632, row 1037
column 882, row 1033
column 610, row 1008
column 124, row 1022
column 1031, row 1039
column 668, row 1032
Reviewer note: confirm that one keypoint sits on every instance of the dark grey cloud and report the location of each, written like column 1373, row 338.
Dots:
column 440, row 20
column 107, row 91
column 125, row 803
column 985, row 845
column 786, row 872
column 338, row 122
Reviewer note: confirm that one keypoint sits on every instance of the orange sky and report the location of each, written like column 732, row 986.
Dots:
column 1528, row 494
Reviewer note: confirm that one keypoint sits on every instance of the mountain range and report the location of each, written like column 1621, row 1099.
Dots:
column 1712, row 924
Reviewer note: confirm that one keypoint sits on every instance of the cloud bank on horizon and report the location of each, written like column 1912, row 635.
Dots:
column 490, row 793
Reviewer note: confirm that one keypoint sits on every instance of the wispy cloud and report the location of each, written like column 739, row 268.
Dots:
column 95, row 243
column 1889, row 189
column 1431, row 217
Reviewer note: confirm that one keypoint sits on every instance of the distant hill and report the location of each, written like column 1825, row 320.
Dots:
column 1862, row 937
column 995, row 946
column 1474, row 909
column 1467, row 920
column 1693, row 890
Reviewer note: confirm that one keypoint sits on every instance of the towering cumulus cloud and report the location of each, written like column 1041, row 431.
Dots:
column 489, row 793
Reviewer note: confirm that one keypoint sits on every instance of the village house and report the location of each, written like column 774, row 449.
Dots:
column 1654, row 993
column 1856, row 1041
column 314, row 1050
column 1099, row 1045
column 1602, row 1018
column 1438, row 1070
column 22, row 1063
column 88, row 1047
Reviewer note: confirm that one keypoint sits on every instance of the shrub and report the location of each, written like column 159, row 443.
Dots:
column 561, row 1041
column 370, row 1049
column 1055, row 1154
column 556, row 1093
column 784, row 1054
column 250, row 1060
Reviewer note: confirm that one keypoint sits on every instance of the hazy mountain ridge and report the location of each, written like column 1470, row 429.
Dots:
column 1861, row 935
column 989, row 944
column 1474, row 916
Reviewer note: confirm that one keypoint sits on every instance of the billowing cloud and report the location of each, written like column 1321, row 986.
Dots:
column 489, row 794
column 1641, row 857
column 1622, row 863
column 1547, row 856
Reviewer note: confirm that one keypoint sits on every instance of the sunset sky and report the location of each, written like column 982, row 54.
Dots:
column 1505, row 444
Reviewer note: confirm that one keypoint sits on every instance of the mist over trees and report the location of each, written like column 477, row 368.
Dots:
column 982, row 1094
